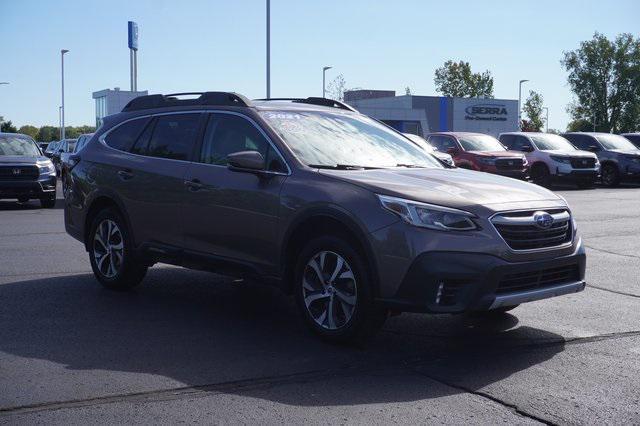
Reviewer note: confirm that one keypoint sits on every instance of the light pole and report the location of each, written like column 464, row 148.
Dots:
column 1, row 117
column 268, row 49
column 519, row 102
column 59, row 120
column 547, row 120
column 324, row 71
column 62, row 52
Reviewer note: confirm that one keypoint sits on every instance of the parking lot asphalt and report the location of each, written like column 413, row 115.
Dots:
column 196, row 347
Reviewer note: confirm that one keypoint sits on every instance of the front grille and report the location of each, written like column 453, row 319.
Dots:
column 18, row 173
column 521, row 232
column 532, row 280
column 583, row 163
column 509, row 163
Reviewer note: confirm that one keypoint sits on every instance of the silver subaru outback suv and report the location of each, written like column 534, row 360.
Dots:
column 333, row 207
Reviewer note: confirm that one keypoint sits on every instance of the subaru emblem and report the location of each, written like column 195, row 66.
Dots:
column 543, row 220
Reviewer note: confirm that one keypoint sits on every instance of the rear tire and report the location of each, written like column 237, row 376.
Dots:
column 540, row 175
column 610, row 175
column 48, row 203
column 111, row 252
column 334, row 291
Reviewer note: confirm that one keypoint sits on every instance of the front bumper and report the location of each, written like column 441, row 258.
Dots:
column 522, row 174
column 44, row 187
column 566, row 172
column 456, row 282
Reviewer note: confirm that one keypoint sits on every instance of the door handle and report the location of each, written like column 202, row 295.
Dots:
column 125, row 174
column 194, row 184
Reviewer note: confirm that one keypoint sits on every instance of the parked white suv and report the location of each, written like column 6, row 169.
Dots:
column 553, row 158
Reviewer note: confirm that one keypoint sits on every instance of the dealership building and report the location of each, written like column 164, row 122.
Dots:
column 110, row 102
column 423, row 114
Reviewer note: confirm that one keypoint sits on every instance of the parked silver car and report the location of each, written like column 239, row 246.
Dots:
column 442, row 157
column 553, row 158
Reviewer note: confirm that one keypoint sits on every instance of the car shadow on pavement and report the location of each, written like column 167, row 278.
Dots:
column 203, row 330
column 8, row 205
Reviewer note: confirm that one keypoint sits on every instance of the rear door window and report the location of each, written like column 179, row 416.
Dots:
column 124, row 136
column 172, row 137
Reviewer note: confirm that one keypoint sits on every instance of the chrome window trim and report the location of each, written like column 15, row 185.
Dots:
column 102, row 137
column 542, row 249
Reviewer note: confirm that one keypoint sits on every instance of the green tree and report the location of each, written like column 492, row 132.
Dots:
column 8, row 127
column 533, row 109
column 580, row 125
column 604, row 76
column 48, row 134
column 29, row 130
column 455, row 79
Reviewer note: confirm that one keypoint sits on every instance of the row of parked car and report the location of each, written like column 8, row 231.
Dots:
column 545, row 158
column 348, row 215
column 56, row 149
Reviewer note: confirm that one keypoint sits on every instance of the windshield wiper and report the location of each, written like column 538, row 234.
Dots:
column 341, row 167
column 411, row 166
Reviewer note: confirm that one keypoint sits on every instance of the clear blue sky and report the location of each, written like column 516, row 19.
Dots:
column 220, row 45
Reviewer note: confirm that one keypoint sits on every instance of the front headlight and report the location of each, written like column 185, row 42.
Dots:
column 429, row 216
column 563, row 160
column 487, row 161
column 47, row 169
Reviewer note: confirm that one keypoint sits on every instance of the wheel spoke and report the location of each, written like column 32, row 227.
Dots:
column 351, row 300
column 101, row 261
column 346, row 310
column 307, row 285
column 316, row 296
column 336, row 271
column 314, row 265
column 322, row 317
column 330, row 313
column 99, row 240
column 118, row 246
column 348, row 274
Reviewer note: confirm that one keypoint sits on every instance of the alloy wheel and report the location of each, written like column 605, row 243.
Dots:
column 108, row 248
column 329, row 290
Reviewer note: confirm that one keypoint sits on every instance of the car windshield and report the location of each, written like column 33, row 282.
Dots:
column 343, row 140
column 552, row 143
column 480, row 143
column 17, row 145
column 615, row 142
column 420, row 142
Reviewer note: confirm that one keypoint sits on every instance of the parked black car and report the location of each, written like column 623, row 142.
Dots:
column 619, row 158
column 65, row 146
column 25, row 173
column 634, row 138
column 308, row 194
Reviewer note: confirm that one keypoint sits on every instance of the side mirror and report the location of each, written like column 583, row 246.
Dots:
column 452, row 151
column 594, row 148
column 527, row 148
column 246, row 161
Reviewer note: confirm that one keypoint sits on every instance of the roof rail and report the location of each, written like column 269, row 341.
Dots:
column 315, row 101
column 205, row 98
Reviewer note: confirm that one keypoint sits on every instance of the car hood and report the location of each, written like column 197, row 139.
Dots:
column 21, row 159
column 626, row 151
column 458, row 188
column 570, row 153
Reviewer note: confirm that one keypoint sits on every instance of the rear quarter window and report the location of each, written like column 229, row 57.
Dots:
column 124, row 136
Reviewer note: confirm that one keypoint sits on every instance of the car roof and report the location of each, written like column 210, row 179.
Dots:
column 457, row 133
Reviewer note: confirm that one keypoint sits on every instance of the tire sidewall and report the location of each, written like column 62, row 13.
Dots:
column 119, row 281
column 364, row 299
column 615, row 175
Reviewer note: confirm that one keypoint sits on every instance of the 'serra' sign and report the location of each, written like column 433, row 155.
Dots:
column 490, row 112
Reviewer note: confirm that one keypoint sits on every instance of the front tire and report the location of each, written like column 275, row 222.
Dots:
column 49, row 202
column 540, row 175
column 333, row 290
column 111, row 252
column 610, row 175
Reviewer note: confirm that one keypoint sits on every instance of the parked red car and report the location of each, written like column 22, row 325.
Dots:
column 484, row 153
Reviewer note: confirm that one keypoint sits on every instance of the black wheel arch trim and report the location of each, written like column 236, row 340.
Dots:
column 341, row 215
column 111, row 196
